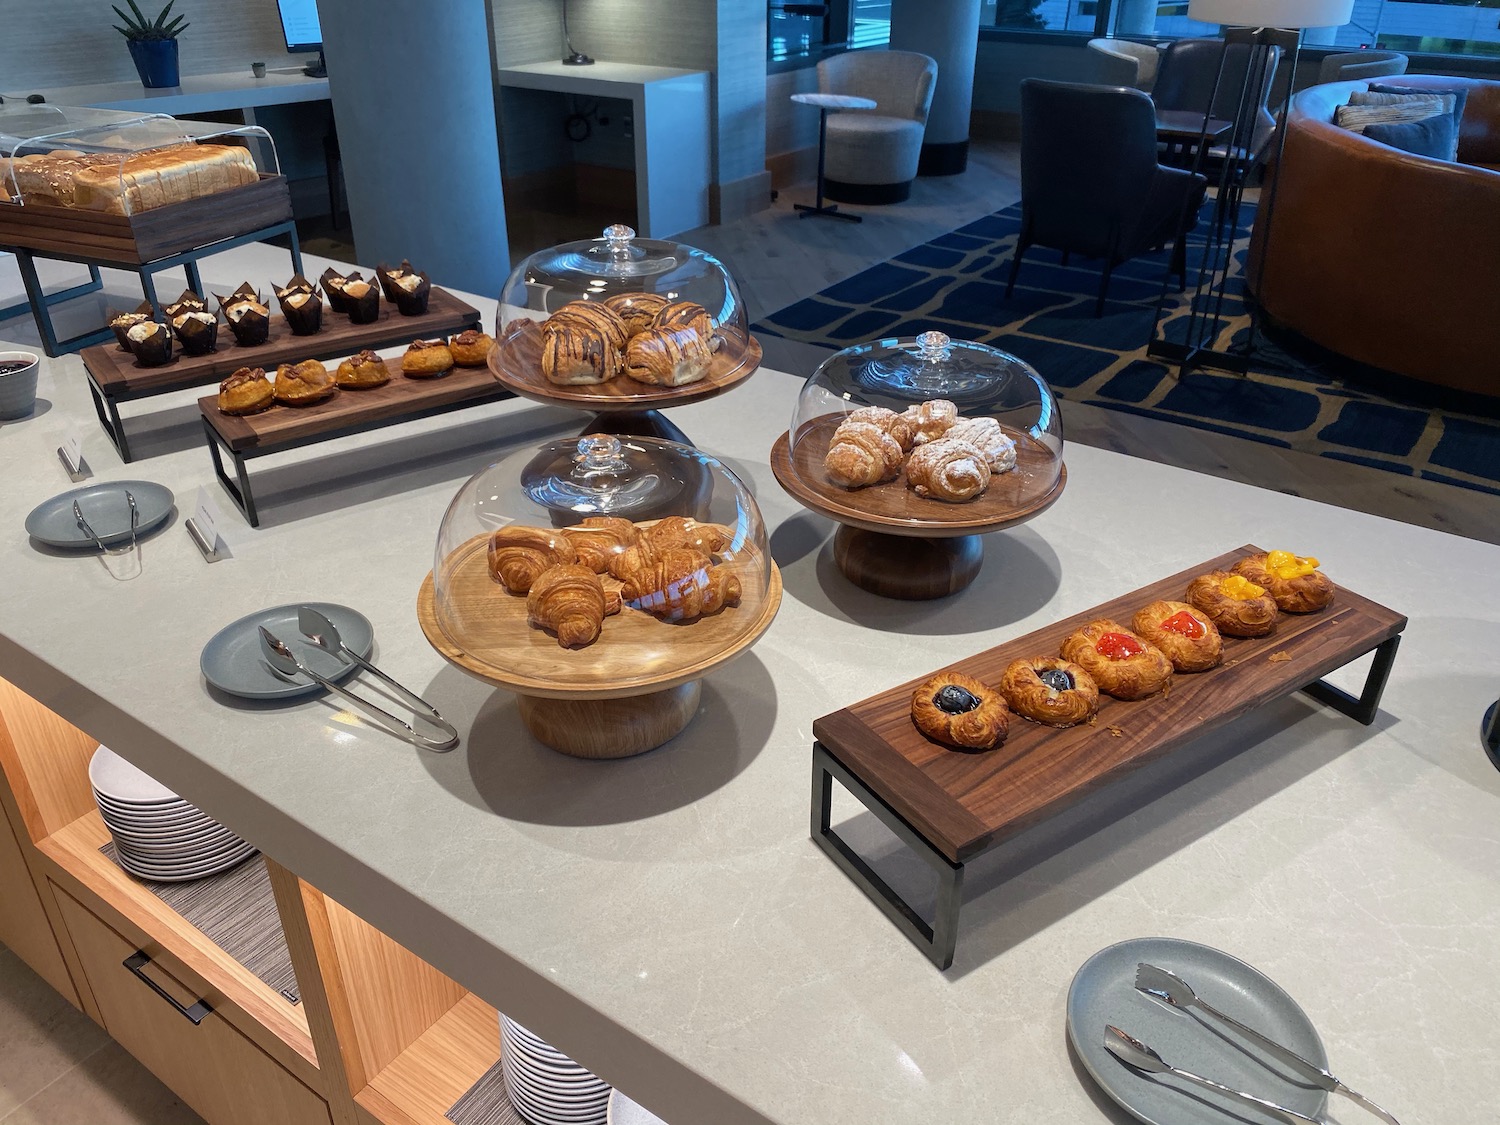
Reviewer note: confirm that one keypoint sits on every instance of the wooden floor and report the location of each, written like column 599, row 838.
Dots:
column 779, row 258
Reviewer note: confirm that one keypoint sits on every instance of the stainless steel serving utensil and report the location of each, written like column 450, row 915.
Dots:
column 83, row 525
column 285, row 663
column 1174, row 992
column 1133, row 1053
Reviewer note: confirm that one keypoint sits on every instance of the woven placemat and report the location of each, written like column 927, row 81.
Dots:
column 485, row 1103
column 236, row 910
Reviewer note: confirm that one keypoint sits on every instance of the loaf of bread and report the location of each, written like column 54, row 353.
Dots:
column 145, row 180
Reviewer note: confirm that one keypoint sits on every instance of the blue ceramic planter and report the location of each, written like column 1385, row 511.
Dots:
column 156, row 61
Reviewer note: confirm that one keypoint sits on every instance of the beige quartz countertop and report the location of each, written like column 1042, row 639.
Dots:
column 667, row 921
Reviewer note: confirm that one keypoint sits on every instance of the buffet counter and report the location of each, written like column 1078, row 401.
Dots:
column 666, row 920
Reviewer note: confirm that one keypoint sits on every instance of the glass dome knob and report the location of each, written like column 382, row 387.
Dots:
column 933, row 346
column 598, row 454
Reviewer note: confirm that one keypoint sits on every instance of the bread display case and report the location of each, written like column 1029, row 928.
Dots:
column 131, row 187
column 917, row 447
column 624, row 327
column 600, row 578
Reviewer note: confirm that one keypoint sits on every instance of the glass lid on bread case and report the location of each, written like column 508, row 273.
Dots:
column 928, row 429
column 123, row 163
column 599, row 563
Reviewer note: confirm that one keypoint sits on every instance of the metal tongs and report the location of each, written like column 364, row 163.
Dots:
column 120, row 552
column 322, row 633
column 1174, row 992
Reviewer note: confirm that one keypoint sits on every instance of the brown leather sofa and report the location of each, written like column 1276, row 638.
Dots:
column 1382, row 256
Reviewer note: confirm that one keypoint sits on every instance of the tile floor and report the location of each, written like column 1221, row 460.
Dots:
column 58, row 1068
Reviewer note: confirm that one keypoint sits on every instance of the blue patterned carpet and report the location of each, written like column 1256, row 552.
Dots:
column 1296, row 396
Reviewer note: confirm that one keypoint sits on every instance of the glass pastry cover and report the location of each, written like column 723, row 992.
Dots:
column 941, row 390
column 600, row 560
column 123, row 163
column 618, row 263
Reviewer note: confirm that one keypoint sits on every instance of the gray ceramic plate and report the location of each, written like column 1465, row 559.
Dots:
column 104, row 505
column 232, row 659
column 1103, row 992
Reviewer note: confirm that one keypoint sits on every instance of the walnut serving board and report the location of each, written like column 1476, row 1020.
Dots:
column 279, row 425
column 516, row 361
column 118, row 375
column 964, row 803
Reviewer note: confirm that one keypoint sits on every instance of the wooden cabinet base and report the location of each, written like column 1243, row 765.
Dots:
column 611, row 728
column 212, row 1067
column 897, row 566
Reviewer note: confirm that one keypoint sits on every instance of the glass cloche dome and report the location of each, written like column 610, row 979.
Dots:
column 929, row 430
column 615, row 266
column 601, row 565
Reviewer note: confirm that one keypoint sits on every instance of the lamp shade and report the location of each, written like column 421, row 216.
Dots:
column 1273, row 13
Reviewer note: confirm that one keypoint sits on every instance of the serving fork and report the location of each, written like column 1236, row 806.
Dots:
column 1171, row 990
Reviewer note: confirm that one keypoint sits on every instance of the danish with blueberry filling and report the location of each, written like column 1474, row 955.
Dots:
column 960, row 711
column 1057, row 693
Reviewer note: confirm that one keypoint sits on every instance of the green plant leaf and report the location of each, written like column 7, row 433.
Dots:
column 121, row 30
column 161, row 18
column 140, row 16
column 130, row 23
column 171, row 30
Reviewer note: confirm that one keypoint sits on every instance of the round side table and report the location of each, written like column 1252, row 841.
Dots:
column 825, row 102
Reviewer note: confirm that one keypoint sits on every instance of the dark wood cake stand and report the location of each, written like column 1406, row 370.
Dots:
column 633, row 689
column 622, row 405
column 897, row 544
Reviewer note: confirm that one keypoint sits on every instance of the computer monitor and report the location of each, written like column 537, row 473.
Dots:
column 302, row 32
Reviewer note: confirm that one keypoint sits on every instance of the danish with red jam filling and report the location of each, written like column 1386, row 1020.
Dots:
column 1121, row 663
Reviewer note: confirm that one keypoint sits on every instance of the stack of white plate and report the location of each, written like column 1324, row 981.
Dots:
column 623, row 1111
column 157, row 834
column 545, row 1086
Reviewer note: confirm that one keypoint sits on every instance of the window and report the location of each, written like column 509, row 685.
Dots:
column 1464, row 27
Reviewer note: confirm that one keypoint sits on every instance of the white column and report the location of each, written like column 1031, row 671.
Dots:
column 1135, row 17
column 948, row 31
column 414, row 103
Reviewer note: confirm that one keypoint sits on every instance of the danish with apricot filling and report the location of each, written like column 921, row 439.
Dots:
column 1186, row 635
column 1237, row 606
column 1295, row 584
column 1121, row 663
column 960, row 711
column 1057, row 693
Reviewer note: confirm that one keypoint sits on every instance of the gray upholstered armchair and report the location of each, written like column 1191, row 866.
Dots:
column 873, row 153
column 1185, row 81
column 1354, row 66
column 1090, row 181
column 1135, row 63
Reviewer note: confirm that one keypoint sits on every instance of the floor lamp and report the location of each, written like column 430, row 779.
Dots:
column 1264, row 26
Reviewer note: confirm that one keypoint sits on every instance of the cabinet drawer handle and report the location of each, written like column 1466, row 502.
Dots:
column 138, row 961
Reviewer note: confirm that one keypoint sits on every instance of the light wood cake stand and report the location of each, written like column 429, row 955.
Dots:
column 633, row 689
column 622, row 405
column 897, row 544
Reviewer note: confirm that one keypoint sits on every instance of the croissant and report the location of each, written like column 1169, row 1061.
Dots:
column 668, row 357
column 932, row 419
column 686, row 314
column 595, row 317
column 598, row 538
column 948, row 469
column 519, row 555
column 637, row 310
column 862, row 454
column 681, row 586
column 572, row 602
column 573, row 354
column 987, row 436
column 898, row 426
column 711, row 538
column 671, row 533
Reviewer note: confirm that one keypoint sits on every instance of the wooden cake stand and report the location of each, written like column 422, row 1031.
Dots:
column 622, row 405
column 633, row 689
column 897, row 544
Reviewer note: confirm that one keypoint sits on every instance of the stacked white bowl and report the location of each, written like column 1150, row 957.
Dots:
column 545, row 1086
column 158, row 835
column 623, row 1111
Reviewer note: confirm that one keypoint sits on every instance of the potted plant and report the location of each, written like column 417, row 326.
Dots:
column 153, row 44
